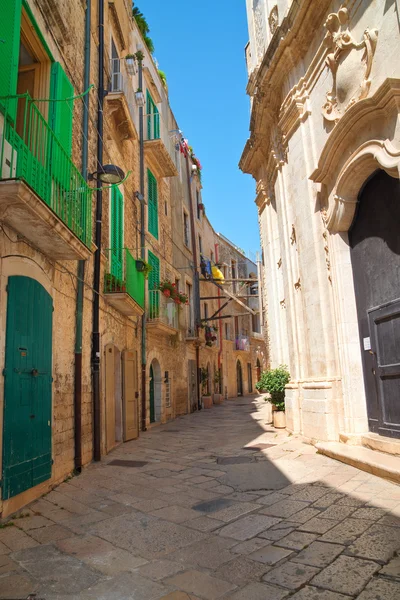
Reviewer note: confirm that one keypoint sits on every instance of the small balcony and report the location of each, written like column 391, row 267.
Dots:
column 123, row 283
column 242, row 343
column 120, row 100
column 162, row 314
column 190, row 335
column 160, row 146
column 43, row 196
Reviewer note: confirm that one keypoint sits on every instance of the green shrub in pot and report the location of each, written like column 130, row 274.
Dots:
column 274, row 382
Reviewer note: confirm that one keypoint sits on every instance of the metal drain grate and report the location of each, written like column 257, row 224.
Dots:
column 127, row 463
column 233, row 460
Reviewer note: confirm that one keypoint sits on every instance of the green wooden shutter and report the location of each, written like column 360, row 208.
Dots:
column 152, row 204
column 61, row 112
column 154, row 282
column 117, row 226
column 153, row 119
column 10, row 26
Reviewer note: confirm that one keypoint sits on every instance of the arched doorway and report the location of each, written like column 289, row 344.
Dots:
column 375, row 256
column 239, row 378
column 155, row 391
column 258, row 366
column 208, row 379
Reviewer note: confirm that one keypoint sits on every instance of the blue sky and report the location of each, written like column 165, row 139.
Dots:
column 200, row 47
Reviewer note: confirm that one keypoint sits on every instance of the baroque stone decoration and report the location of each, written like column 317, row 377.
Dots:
column 273, row 19
column 279, row 147
column 350, row 74
column 259, row 27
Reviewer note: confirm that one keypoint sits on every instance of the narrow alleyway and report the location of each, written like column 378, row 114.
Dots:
column 213, row 505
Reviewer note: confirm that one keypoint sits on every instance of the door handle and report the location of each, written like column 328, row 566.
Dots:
column 34, row 372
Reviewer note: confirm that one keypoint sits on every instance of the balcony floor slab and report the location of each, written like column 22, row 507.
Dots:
column 124, row 303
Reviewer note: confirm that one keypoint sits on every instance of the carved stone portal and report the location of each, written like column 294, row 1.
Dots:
column 350, row 63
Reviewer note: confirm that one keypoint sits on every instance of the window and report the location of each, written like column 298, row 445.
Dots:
column 198, row 202
column 153, row 118
column 233, row 268
column 226, row 331
column 205, row 311
column 200, row 245
column 186, row 229
column 116, row 83
column 177, row 281
column 153, row 283
column 189, row 311
column 152, row 190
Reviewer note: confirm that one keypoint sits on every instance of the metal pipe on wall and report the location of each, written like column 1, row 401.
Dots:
column 81, row 263
column 97, row 264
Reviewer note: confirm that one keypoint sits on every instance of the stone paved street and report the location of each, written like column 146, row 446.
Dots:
column 212, row 505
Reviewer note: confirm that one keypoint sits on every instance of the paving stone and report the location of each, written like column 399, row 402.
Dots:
column 346, row 532
column 272, row 498
column 241, row 570
column 15, row 539
column 204, row 524
column 337, row 513
column 351, row 501
column 254, row 476
column 368, row 513
column 180, row 596
column 249, row 546
column 17, row 586
column 270, row 555
column 234, row 511
column 296, row 540
column 306, row 514
column 209, row 553
column 4, row 549
column 176, row 514
column 391, row 520
column 126, row 586
column 317, row 525
column 199, row 583
column 319, row 554
column 32, row 522
column 160, row 569
column 57, row 572
column 259, row 591
column 44, row 535
column 284, row 509
column 392, row 569
column 309, row 494
column 248, row 527
column 145, row 534
column 377, row 543
column 327, row 500
column 381, row 589
column 346, row 575
column 313, row 593
column 7, row 565
column 290, row 575
column 278, row 531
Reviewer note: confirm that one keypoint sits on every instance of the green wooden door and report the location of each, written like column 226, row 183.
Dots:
column 27, row 386
column 152, row 406
column 154, row 282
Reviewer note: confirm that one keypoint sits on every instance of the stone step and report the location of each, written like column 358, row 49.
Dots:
column 381, row 443
column 371, row 461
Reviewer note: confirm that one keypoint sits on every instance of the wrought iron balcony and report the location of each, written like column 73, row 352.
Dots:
column 160, row 146
column 162, row 313
column 121, row 100
column 123, row 283
column 43, row 196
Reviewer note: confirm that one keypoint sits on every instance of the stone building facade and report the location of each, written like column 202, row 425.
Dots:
column 324, row 150
column 48, row 211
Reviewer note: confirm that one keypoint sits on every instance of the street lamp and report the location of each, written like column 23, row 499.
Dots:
column 110, row 174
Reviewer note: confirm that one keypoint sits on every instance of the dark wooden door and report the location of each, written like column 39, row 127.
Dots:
column 239, row 379
column 27, row 386
column 375, row 256
column 152, row 404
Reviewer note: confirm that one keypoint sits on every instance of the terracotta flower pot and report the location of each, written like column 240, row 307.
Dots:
column 279, row 419
column 207, row 401
column 218, row 398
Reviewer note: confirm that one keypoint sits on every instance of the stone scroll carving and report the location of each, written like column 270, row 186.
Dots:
column 350, row 63
column 273, row 19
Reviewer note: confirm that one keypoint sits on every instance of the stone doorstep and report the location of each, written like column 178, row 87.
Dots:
column 365, row 459
column 373, row 441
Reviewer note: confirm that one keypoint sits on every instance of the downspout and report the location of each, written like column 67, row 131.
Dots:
column 216, row 248
column 97, row 255
column 81, row 263
column 139, row 56
column 196, row 283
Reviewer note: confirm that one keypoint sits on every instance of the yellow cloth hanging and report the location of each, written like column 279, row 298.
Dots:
column 217, row 274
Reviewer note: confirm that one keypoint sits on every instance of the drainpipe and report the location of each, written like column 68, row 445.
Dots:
column 81, row 263
column 196, row 283
column 97, row 255
column 139, row 56
column 216, row 248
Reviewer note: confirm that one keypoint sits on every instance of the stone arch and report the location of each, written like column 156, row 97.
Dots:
column 370, row 156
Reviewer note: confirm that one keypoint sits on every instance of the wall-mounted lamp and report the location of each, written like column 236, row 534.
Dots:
column 110, row 174
column 140, row 197
column 139, row 98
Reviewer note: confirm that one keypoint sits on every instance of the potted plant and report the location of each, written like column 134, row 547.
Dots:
column 205, row 396
column 168, row 289
column 274, row 382
column 143, row 267
column 218, row 398
column 130, row 60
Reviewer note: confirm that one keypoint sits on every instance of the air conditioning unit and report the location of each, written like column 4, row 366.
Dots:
column 9, row 162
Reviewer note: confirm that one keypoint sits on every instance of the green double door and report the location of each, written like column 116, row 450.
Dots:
column 27, row 386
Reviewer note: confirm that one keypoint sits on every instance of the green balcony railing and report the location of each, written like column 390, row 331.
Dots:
column 30, row 151
column 122, row 275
